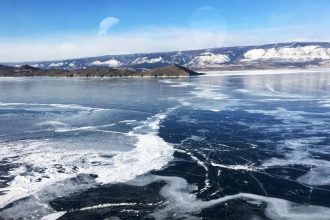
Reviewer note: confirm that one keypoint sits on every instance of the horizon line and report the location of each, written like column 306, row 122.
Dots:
column 172, row 51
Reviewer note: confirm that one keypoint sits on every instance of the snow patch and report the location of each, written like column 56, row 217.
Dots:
column 209, row 58
column 56, row 64
column 54, row 162
column 141, row 60
column 110, row 63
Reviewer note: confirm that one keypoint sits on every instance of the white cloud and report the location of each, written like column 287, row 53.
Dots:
column 147, row 40
column 106, row 24
column 144, row 40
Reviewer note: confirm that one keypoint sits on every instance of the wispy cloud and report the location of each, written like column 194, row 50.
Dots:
column 154, row 39
column 106, row 24
column 138, row 41
column 205, row 8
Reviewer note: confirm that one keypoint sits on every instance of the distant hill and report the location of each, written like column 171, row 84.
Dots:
column 173, row 70
column 25, row 70
column 17, row 71
column 270, row 56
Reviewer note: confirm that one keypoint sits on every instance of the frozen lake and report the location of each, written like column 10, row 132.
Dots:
column 214, row 147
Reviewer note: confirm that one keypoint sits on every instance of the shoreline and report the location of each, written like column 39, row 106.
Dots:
column 205, row 73
column 264, row 72
column 99, row 77
column 167, row 71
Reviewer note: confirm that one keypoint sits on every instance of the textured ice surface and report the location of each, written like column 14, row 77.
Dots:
column 254, row 145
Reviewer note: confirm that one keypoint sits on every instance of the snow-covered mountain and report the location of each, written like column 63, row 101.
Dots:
column 283, row 55
column 309, row 52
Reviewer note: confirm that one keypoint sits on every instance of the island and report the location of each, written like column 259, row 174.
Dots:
column 167, row 71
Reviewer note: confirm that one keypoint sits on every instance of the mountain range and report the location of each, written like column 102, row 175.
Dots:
column 270, row 56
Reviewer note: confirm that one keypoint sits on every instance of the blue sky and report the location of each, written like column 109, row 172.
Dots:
column 56, row 29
